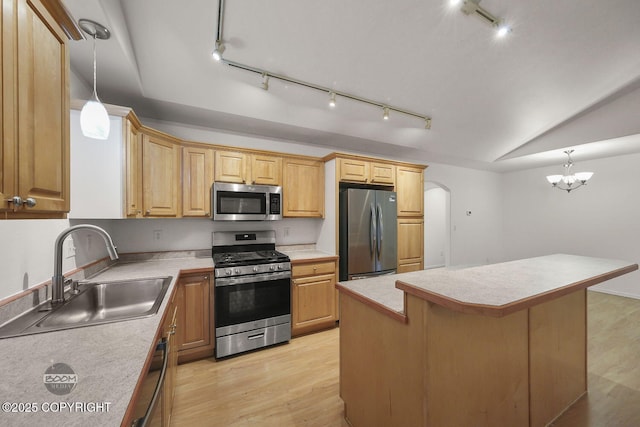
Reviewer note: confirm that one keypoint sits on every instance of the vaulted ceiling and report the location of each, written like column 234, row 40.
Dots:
column 568, row 76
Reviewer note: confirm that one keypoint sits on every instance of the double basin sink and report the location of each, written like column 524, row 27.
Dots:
column 95, row 303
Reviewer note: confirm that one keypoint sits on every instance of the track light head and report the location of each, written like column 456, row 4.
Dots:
column 427, row 122
column 265, row 81
column 502, row 29
column 332, row 99
column 385, row 113
column 218, row 50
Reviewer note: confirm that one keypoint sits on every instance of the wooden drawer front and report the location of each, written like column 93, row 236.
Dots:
column 300, row 270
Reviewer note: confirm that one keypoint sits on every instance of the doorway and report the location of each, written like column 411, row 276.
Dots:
column 437, row 225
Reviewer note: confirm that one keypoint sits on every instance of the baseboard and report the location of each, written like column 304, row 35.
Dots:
column 616, row 293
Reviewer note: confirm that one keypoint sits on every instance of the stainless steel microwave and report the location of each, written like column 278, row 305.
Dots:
column 243, row 202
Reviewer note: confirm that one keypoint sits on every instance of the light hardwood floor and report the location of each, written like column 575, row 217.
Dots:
column 297, row 384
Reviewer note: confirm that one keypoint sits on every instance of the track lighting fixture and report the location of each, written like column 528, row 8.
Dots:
column 472, row 7
column 332, row 99
column 94, row 120
column 266, row 75
column 218, row 51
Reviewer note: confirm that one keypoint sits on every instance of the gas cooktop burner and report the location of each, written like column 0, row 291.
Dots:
column 230, row 259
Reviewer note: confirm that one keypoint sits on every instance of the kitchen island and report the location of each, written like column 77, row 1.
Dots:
column 496, row 345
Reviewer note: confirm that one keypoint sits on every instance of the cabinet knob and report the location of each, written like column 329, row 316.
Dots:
column 244, row 182
column 253, row 182
column 148, row 212
column 18, row 201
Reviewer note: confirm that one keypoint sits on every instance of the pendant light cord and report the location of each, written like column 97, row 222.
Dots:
column 95, row 91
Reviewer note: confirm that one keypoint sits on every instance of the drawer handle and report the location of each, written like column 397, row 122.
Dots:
column 255, row 337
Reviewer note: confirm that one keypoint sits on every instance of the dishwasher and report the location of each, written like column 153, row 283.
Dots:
column 148, row 407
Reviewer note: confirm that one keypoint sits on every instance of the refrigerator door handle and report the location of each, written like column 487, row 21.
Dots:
column 372, row 231
column 380, row 229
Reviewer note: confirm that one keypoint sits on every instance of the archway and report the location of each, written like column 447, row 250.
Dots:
column 437, row 225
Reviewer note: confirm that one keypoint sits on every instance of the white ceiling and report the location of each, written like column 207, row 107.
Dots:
column 567, row 76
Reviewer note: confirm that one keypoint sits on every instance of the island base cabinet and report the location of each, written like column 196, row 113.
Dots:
column 477, row 369
column 445, row 368
column 380, row 366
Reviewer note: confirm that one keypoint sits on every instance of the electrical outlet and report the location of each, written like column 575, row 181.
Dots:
column 157, row 234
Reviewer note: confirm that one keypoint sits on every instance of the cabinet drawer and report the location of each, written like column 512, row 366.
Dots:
column 310, row 269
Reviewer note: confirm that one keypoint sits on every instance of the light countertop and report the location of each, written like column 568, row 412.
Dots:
column 495, row 289
column 108, row 359
column 305, row 253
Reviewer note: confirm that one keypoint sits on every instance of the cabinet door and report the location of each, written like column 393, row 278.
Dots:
column 43, row 110
column 231, row 166
column 133, row 147
column 354, row 170
column 266, row 170
column 160, row 176
column 303, row 188
column 197, row 177
column 170, row 376
column 195, row 310
column 410, row 189
column 314, row 303
column 382, row 173
column 410, row 244
column 8, row 115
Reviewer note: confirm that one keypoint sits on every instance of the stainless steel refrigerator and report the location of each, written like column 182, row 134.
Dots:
column 368, row 233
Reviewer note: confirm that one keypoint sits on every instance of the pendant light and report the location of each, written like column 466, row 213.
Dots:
column 94, row 120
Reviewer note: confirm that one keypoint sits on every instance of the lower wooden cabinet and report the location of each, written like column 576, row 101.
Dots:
column 410, row 244
column 168, row 392
column 313, row 297
column 195, row 317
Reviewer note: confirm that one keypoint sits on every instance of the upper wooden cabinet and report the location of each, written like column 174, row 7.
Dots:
column 303, row 189
column 246, row 168
column 34, row 152
column 160, row 175
column 197, row 177
column 366, row 172
column 133, row 160
column 410, row 189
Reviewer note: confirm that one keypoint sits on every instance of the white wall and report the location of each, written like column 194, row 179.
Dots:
column 476, row 238
column 435, row 227
column 27, row 252
column 601, row 219
column 138, row 235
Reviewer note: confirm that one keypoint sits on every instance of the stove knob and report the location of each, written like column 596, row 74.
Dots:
column 279, row 266
column 272, row 267
column 237, row 271
column 228, row 272
column 255, row 269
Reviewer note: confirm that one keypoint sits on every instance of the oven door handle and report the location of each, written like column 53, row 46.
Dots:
column 252, row 278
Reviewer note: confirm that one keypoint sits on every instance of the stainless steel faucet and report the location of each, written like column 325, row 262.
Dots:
column 57, row 281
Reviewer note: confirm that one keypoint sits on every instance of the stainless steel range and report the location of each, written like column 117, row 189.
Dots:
column 252, row 292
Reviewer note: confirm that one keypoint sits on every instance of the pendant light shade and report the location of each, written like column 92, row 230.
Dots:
column 94, row 120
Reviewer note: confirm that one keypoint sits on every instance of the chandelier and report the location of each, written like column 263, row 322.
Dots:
column 569, row 181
